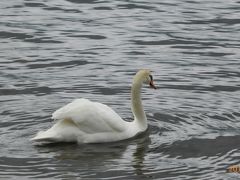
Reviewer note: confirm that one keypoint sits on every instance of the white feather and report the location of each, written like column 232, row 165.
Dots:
column 84, row 121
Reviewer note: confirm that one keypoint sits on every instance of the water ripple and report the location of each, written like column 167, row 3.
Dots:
column 54, row 52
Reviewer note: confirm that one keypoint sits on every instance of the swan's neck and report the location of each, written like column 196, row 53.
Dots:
column 137, row 108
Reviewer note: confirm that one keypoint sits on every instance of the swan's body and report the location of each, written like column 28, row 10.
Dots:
column 84, row 121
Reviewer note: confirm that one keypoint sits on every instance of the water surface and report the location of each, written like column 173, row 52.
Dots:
column 55, row 51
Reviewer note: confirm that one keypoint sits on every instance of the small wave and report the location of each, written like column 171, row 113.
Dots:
column 95, row 37
column 37, row 91
column 57, row 64
column 14, row 35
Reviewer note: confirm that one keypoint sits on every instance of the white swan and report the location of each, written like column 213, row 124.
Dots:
column 84, row 121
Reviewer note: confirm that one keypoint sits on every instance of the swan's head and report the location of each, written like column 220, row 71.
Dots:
column 144, row 76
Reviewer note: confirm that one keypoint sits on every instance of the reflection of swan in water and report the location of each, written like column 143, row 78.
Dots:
column 139, row 154
column 92, row 160
column 84, row 121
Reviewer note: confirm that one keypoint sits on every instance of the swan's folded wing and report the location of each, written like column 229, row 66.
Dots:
column 90, row 117
column 70, row 109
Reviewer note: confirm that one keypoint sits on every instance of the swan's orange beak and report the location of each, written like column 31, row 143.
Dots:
column 152, row 85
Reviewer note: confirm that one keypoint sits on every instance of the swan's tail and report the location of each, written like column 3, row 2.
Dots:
column 46, row 137
column 63, row 131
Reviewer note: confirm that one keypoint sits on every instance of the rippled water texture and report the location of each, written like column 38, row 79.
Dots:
column 55, row 51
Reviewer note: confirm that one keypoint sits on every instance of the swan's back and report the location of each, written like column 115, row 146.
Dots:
column 84, row 121
column 90, row 117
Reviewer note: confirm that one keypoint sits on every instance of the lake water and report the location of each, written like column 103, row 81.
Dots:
column 55, row 51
